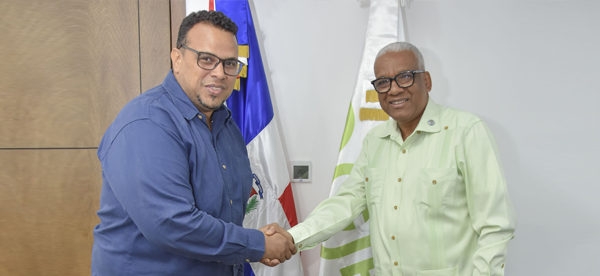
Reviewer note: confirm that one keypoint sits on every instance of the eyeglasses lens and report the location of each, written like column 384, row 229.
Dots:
column 405, row 80
column 210, row 62
column 382, row 85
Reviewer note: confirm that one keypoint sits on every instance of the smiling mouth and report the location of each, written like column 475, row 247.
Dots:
column 214, row 90
column 399, row 102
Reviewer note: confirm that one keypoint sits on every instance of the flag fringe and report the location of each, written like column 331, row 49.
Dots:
column 244, row 51
column 372, row 96
column 244, row 72
column 369, row 114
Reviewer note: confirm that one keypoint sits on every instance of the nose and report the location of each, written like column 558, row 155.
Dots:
column 395, row 89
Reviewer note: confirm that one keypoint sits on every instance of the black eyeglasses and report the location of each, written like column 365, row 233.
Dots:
column 208, row 61
column 403, row 80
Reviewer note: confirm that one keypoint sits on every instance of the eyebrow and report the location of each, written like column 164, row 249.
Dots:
column 231, row 58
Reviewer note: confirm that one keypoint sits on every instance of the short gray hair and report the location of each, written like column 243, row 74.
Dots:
column 402, row 46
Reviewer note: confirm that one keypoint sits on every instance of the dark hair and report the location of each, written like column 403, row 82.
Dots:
column 215, row 18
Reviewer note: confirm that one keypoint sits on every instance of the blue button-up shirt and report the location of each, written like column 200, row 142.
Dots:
column 174, row 193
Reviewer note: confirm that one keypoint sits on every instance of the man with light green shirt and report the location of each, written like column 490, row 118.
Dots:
column 431, row 179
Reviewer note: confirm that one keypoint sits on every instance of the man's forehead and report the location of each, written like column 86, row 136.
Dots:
column 210, row 38
column 396, row 61
column 201, row 29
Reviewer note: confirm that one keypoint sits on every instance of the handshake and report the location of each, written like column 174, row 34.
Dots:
column 279, row 245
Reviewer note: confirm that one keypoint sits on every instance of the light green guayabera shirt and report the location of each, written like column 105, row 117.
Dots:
column 438, row 201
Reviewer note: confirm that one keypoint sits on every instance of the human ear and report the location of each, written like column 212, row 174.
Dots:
column 176, row 58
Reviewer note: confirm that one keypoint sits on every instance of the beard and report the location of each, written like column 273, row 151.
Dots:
column 215, row 107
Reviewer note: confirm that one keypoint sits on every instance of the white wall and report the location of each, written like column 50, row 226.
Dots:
column 528, row 68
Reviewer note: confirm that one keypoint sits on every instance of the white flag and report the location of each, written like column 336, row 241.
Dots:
column 349, row 252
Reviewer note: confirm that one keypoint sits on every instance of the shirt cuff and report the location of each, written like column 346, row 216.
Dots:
column 299, row 236
column 256, row 246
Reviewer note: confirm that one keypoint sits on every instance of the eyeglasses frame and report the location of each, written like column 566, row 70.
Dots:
column 413, row 72
column 218, row 62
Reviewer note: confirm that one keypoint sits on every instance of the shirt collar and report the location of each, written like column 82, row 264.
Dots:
column 185, row 105
column 429, row 122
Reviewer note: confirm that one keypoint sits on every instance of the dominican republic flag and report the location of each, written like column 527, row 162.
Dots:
column 272, row 199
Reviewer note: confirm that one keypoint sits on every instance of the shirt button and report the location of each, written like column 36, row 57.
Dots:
column 502, row 265
column 393, row 237
column 434, row 182
column 418, row 132
column 403, row 151
column 230, row 201
column 224, row 167
column 200, row 116
column 367, row 179
column 399, row 179
column 247, row 260
column 396, row 207
column 431, row 122
column 396, row 263
column 300, row 246
column 446, row 127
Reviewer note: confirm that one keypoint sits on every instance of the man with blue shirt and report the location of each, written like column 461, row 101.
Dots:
column 176, row 175
column 431, row 179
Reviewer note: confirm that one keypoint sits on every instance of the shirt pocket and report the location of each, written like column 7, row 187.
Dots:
column 436, row 186
column 374, row 184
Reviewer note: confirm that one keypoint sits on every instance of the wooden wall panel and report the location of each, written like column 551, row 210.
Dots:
column 42, row 74
column 177, row 15
column 113, row 47
column 155, row 35
column 67, row 69
column 48, row 204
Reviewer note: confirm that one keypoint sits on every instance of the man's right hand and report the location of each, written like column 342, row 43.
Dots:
column 277, row 249
column 273, row 234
